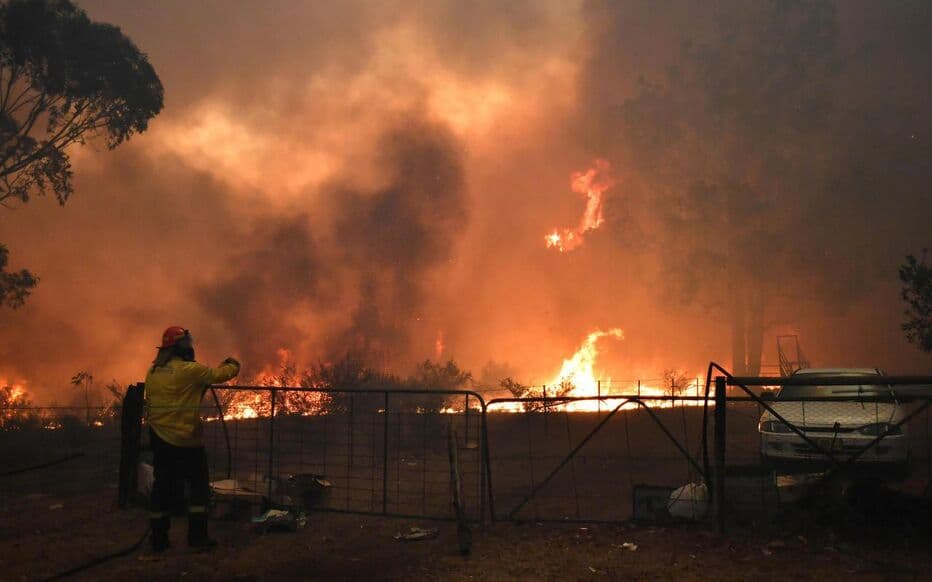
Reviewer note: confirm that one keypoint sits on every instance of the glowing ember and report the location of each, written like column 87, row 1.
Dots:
column 592, row 184
column 246, row 412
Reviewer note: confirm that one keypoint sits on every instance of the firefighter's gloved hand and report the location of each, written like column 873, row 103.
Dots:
column 233, row 361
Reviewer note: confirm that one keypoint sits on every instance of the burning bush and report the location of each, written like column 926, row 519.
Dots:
column 14, row 409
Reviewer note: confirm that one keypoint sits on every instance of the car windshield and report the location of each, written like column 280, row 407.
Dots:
column 817, row 391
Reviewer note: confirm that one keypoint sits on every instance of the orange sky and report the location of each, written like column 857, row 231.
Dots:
column 253, row 210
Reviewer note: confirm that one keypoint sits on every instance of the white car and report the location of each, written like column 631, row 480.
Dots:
column 843, row 427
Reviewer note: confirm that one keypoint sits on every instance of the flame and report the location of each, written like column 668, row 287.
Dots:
column 591, row 183
column 245, row 411
column 244, row 405
column 277, row 375
column 18, row 397
column 577, row 373
column 438, row 346
column 18, row 390
column 578, row 378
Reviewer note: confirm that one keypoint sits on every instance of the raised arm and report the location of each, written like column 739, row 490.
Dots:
column 205, row 375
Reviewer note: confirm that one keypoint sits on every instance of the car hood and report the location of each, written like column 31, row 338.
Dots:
column 847, row 414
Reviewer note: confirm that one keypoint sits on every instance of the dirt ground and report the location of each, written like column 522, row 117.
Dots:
column 350, row 547
column 56, row 518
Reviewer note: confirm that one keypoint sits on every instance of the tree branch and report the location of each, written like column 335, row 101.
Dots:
column 68, row 134
column 16, row 103
column 22, row 134
column 9, row 87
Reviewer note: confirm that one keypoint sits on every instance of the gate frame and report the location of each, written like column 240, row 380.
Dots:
column 485, row 475
column 743, row 382
column 626, row 399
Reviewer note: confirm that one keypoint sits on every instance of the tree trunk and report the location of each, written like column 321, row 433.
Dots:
column 755, row 332
column 738, row 331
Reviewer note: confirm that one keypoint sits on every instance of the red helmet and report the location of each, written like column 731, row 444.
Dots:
column 172, row 336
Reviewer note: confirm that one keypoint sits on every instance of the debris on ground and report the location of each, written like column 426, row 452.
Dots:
column 691, row 501
column 280, row 520
column 416, row 534
column 304, row 490
column 630, row 546
column 235, row 489
column 650, row 503
column 145, row 478
column 55, row 506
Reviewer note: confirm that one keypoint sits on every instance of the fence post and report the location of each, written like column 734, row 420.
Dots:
column 720, row 419
column 130, row 438
column 598, row 386
column 486, row 478
column 466, row 437
column 271, row 442
column 352, row 430
column 385, row 458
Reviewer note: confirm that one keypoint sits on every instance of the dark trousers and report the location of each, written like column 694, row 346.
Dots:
column 174, row 467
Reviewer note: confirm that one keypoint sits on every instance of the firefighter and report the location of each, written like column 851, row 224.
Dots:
column 175, row 385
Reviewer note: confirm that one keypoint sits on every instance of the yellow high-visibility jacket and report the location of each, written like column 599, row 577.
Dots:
column 173, row 398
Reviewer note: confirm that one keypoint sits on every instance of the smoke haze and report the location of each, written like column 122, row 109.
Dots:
column 367, row 177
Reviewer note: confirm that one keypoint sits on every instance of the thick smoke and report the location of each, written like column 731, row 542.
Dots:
column 369, row 177
column 259, row 290
column 779, row 164
column 380, row 249
column 392, row 237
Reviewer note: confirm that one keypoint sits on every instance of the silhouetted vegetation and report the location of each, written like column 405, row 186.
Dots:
column 63, row 79
column 916, row 277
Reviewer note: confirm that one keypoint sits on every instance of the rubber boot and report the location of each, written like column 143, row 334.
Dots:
column 197, row 532
column 159, row 534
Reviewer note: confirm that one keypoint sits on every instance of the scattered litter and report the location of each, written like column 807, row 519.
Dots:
column 305, row 490
column 593, row 570
column 650, row 503
column 766, row 552
column 416, row 534
column 280, row 520
column 803, row 540
column 631, row 547
column 691, row 501
column 55, row 506
column 232, row 488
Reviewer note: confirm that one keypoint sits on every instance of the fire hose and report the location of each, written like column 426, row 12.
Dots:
column 100, row 560
column 42, row 465
column 226, row 433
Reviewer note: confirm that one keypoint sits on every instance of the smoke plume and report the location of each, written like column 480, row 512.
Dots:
column 377, row 178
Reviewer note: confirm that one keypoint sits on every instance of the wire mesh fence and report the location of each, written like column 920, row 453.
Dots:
column 532, row 458
column 378, row 452
column 581, row 459
column 774, row 448
column 53, row 457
